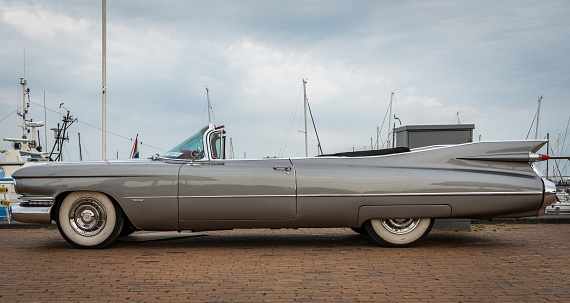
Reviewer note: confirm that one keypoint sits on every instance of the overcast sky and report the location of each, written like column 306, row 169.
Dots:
column 489, row 61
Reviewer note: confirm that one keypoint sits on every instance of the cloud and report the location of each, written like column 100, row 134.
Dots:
column 37, row 23
column 488, row 60
column 421, row 101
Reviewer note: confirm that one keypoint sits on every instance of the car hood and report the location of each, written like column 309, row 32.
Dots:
column 89, row 169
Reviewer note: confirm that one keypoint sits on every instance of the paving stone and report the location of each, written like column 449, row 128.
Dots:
column 496, row 263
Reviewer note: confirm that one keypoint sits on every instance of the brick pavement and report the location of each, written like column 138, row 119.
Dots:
column 495, row 263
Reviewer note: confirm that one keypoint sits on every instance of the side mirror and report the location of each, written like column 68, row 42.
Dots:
column 195, row 154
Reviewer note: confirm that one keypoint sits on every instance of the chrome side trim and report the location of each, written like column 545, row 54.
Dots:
column 526, row 193
column 153, row 197
column 510, row 157
column 429, row 194
column 37, row 198
column 242, row 196
column 40, row 215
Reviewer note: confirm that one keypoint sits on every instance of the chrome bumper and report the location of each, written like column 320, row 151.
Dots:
column 549, row 196
column 31, row 214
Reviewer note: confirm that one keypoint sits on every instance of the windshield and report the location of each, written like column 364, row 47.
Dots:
column 191, row 148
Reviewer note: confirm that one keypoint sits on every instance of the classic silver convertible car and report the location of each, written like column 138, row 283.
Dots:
column 391, row 195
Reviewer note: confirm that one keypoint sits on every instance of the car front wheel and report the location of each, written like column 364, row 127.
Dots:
column 398, row 232
column 89, row 220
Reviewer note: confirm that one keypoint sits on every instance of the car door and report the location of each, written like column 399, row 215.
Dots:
column 237, row 190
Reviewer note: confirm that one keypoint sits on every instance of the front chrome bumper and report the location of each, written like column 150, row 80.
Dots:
column 34, row 209
column 31, row 214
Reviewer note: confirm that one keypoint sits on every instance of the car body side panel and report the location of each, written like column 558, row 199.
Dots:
column 237, row 190
column 316, row 192
column 146, row 190
column 332, row 191
column 430, row 177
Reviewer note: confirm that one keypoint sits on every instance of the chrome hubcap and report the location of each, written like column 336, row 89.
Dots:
column 87, row 216
column 400, row 226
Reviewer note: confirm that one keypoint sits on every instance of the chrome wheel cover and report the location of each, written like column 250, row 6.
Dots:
column 400, row 226
column 87, row 216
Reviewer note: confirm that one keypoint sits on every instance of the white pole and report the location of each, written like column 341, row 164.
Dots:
column 104, row 139
column 305, row 107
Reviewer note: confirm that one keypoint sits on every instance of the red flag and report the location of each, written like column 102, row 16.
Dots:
column 135, row 153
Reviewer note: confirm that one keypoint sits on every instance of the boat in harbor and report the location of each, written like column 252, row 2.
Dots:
column 562, row 204
column 22, row 151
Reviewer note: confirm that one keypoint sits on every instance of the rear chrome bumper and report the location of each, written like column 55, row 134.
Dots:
column 549, row 196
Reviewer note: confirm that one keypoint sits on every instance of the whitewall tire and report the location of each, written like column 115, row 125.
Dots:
column 89, row 219
column 398, row 232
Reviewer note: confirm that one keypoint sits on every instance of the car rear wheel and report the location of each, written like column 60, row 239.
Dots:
column 89, row 220
column 128, row 228
column 398, row 232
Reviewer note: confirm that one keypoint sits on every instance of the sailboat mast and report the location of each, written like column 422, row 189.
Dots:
column 547, row 152
column 537, row 117
column 45, row 121
column 79, row 140
column 390, row 120
column 209, row 106
column 24, row 110
column 377, row 137
column 305, row 108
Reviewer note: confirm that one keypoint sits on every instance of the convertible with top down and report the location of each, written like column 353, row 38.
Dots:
column 391, row 195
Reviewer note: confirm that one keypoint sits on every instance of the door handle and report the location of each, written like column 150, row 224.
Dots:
column 285, row 168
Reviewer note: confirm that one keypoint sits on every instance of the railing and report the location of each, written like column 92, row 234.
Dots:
column 5, row 214
column 12, row 163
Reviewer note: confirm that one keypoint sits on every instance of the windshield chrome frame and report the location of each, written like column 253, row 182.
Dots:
column 206, row 145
